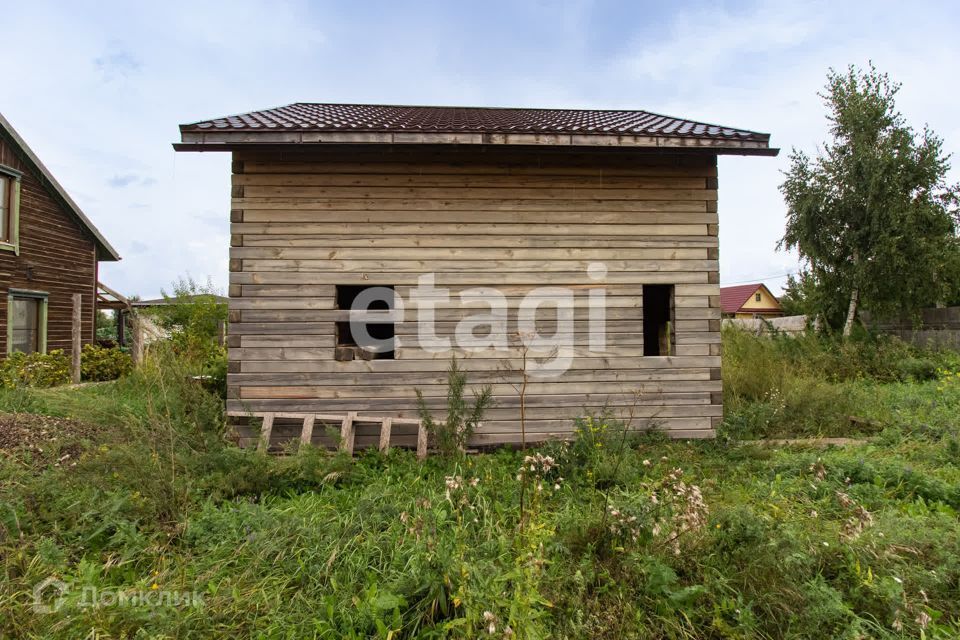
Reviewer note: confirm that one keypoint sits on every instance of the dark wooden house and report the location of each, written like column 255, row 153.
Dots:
column 613, row 207
column 49, row 251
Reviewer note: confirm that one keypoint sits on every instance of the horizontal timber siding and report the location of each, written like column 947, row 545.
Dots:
column 56, row 257
column 302, row 224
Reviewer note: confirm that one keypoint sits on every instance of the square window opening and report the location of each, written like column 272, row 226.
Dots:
column 658, row 316
column 26, row 331
column 364, row 298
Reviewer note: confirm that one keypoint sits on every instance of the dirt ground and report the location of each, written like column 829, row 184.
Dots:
column 43, row 435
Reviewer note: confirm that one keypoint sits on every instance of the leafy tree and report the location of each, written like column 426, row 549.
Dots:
column 106, row 328
column 192, row 308
column 193, row 314
column 872, row 215
column 797, row 297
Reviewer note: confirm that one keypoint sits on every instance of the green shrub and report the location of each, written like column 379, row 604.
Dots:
column 917, row 369
column 758, row 364
column 813, row 384
column 35, row 369
column 451, row 436
column 100, row 363
column 215, row 372
column 193, row 315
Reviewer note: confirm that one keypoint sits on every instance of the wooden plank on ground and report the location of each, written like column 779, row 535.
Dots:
column 819, row 443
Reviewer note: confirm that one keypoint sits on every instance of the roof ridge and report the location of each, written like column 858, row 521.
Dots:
column 440, row 106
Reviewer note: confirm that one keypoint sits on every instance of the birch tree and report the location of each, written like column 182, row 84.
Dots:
column 872, row 215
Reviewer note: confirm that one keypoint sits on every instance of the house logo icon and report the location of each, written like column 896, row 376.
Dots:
column 48, row 595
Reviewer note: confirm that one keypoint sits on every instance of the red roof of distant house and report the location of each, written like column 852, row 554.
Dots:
column 732, row 298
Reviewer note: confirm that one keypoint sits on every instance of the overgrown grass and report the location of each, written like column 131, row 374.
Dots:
column 610, row 540
column 810, row 385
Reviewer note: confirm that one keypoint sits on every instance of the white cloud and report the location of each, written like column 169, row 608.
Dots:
column 762, row 70
column 710, row 43
column 98, row 93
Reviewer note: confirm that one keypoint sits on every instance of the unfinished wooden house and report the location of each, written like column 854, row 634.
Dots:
column 617, row 208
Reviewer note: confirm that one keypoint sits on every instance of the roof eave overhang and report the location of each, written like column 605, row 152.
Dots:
column 231, row 141
column 105, row 251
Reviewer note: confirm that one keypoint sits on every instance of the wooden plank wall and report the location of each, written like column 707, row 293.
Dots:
column 302, row 224
column 56, row 256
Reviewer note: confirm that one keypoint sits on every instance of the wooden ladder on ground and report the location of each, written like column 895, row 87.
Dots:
column 347, row 429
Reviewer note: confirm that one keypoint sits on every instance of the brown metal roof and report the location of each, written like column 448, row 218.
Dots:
column 315, row 122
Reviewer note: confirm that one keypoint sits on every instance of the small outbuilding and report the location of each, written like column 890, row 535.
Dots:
column 749, row 301
column 568, row 258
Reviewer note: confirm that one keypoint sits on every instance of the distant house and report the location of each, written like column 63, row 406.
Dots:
column 49, row 250
column 439, row 206
column 749, row 301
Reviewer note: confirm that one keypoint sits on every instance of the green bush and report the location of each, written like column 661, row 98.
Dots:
column 750, row 360
column 101, row 363
column 215, row 372
column 35, row 369
column 917, row 369
column 813, row 384
column 192, row 315
column 452, row 435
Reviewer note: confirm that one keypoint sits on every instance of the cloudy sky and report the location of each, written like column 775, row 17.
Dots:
column 98, row 89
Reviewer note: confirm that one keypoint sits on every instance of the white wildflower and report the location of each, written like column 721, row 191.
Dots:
column 491, row 621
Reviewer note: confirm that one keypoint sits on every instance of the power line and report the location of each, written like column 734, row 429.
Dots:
column 761, row 278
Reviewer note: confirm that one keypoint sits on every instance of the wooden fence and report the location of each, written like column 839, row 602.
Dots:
column 935, row 328
column 787, row 324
